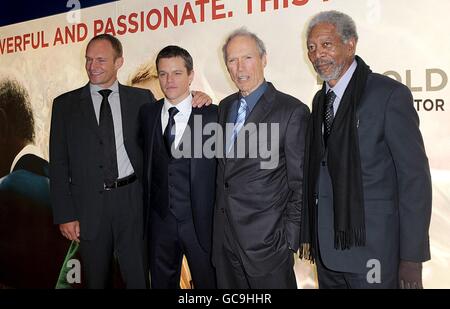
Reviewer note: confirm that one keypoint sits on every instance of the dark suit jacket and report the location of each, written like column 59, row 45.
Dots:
column 396, row 183
column 263, row 205
column 76, row 177
column 202, row 170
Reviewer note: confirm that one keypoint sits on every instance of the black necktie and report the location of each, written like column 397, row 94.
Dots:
column 328, row 115
column 106, row 126
column 169, row 132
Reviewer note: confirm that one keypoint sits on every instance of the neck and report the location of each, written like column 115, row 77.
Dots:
column 180, row 99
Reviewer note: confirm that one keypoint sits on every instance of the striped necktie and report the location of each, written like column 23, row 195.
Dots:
column 242, row 112
column 328, row 115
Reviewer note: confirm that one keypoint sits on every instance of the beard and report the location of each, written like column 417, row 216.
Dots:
column 336, row 70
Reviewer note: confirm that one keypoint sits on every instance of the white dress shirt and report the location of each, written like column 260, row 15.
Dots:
column 181, row 118
column 341, row 85
column 123, row 161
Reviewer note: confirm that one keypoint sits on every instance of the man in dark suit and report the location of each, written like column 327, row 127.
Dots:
column 257, row 214
column 96, row 168
column 368, row 182
column 179, row 189
column 31, row 251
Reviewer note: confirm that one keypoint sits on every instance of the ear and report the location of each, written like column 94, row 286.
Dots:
column 264, row 60
column 3, row 125
column 191, row 77
column 351, row 46
column 118, row 63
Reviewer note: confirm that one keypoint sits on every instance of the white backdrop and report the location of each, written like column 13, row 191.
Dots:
column 406, row 38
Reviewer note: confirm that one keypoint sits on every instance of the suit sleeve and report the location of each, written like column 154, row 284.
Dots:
column 413, row 175
column 61, row 199
column 294, row 149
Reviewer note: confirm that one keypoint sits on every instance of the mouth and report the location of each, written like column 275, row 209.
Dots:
column 323, row 66
column 95, row 74
column 243, row 78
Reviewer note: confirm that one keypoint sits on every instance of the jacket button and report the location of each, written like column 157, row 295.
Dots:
column 226, row 185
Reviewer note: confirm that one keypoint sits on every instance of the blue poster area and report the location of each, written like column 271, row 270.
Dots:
column 16, row 11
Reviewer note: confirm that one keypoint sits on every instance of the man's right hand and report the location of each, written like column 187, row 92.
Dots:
column 71, row 230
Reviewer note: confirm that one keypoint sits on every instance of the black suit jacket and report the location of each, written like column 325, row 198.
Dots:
column 396, row 183
column 262, row 206
column 202, row 170
column 76, row 176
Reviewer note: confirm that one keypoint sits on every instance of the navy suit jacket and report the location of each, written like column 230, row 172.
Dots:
column 396, row 183
column 202, row 170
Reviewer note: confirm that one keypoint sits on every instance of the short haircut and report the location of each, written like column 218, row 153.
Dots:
column 244, row 32
column 15, row 103
column 345, row 26
column 172, row 51
column 115, row 43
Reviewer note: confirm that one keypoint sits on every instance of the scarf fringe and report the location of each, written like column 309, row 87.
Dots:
column 306, row 253
column 345, row 239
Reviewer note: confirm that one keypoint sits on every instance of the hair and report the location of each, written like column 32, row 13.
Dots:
column 172, row 51
column 243, row 32
column 115, row 43
column 147, row 71
column 345, row 26
column 15, row 103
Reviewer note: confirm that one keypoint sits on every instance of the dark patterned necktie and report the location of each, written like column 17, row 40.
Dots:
column 328, row 115
column 169, row 132
column 106, row 127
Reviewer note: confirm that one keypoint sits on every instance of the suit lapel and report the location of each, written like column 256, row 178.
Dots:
column 87, row 108
column 224, row 110
column 193, row 162
column 153, row 136
column 127, row 115
column 155, row 127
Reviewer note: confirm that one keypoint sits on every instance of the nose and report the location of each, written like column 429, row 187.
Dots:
column 239, row 65
column 318, row 53
column 93, row 65
column 169, row 78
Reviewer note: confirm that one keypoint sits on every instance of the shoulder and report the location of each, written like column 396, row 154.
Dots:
column 228, row 100
column 140, row 94
column 69, row 96
column 288, row 101
column 151, row 107
column 208, row 110
column 384, row 83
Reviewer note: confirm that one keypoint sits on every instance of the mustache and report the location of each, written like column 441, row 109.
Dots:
column 320, row 62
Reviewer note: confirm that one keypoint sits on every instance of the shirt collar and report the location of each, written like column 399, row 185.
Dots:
column 254, row 97
column 95, row 88
column 184, row 107
column 342, row 84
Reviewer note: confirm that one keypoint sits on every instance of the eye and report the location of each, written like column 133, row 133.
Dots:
column 327, row 44
column 162, row 74
column 311, row 48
